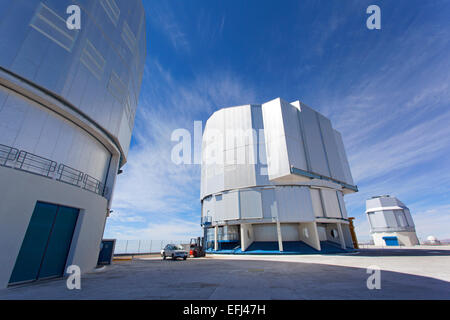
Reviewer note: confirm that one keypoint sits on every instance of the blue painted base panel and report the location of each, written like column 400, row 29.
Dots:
column 289, row 247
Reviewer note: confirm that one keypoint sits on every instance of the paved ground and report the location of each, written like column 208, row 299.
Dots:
column 406, row 274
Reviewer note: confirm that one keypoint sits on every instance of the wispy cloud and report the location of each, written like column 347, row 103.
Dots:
column 162, row 17
column 162, row 196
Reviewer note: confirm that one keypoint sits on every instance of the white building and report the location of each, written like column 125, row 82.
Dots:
column 274, row 178
column 390, row 222
column 68, row 99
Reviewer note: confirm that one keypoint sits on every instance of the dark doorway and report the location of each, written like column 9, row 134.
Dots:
column 46, row 245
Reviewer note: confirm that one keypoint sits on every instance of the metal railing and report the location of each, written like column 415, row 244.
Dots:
column 7, row 154
column 22, row 160
column 36, row 164
column 144, row 246
column 69, row 175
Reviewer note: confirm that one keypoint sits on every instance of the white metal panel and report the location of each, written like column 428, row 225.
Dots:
column 251, row 204
column 390, row 218
column 277, row 158
column 294, row 204
column 296, row 153
column 342, row 204
column 231, row 205
column 265, row 232
column 11, row 119
column 208, row 207
column 219, row 208
column 334, row 160
column 269, row 204
column 316, row 202
column 310, row 125
column 377, row 219
column 290, row 120
column 322, row 233
column 343, row 156
column 273, row 120
column 289, row 232
column 331, row 204
column 408, row 217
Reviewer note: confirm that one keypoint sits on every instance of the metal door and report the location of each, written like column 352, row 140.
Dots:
column 46, row 245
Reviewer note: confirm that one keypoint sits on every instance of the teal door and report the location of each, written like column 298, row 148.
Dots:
column 46, row 245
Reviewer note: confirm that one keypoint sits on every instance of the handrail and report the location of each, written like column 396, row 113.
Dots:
column 22, row 160
column 7, row 153
column 32, row 163
column 69, row 175
column 92, row 184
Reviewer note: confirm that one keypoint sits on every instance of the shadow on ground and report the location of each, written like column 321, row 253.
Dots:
column 234, row 279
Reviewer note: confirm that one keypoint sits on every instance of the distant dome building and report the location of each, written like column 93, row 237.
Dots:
column 390, row 222
column 273, row 180
column 433, row 240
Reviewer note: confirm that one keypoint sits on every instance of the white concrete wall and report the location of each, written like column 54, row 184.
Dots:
column 19, row 193
column 308, row 233
column 247, row 236
column 404, row 238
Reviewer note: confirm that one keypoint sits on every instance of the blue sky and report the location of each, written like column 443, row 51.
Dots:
column 387, row 91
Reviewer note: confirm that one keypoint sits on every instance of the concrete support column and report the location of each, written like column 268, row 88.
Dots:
column 309, row 235
column 280, row 238
column 341, row 236
column 216, row 235
column 246, row 236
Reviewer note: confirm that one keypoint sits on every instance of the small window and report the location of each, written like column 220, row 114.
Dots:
column 334, row 233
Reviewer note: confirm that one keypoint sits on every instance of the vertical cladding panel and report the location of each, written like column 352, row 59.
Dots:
column 35, row 129
column 269, row 204
column 377, row 220
column 296, row 153
column 294, row 204
column 277, row 158
column 219, row 207
column 331, row 203
column 343, row 157
column 334, row 160
column 294, row 140
column 30, row 131
column 265, row 232
column 316, row 202
column 251, row 204
column 208, row 207
column 273, row 120
column 390, row 218
column 289, row 232
column 342, row 204
column 401, row 220
column 12, row 117
column 231, row 205
column 276, row 148
column 409, row 218
column 312, row 133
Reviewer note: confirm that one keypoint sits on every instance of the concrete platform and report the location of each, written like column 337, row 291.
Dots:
column 418, row 273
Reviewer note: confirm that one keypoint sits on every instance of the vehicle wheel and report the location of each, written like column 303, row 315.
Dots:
column 173, row 257
column 184, row 258
column 164, row 256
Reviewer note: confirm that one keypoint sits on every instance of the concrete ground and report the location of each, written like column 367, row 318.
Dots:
column 416, row 273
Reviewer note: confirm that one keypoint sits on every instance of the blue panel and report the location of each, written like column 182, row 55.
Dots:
column 391, row 241
column 33, row 246
column 59, row 244
column 106, row 252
